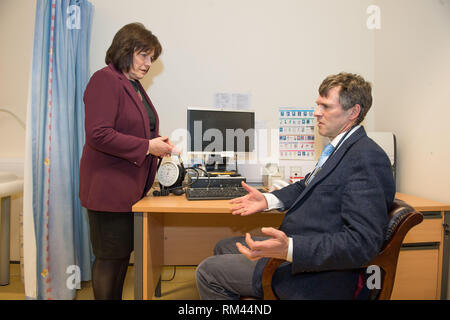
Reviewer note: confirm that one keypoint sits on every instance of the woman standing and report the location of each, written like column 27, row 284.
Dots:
column 118, row 164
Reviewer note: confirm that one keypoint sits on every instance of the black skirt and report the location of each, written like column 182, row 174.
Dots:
column 112, row 234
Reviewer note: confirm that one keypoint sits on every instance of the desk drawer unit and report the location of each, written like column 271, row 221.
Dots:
column 416, row 277
column 419, row 268
column 430, row 230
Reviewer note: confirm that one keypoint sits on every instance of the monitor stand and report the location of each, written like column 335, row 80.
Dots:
column 217, row 165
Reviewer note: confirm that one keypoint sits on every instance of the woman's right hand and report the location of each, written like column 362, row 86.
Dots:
column 160, row 147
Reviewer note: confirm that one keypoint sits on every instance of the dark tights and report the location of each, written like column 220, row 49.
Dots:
column 108, row 277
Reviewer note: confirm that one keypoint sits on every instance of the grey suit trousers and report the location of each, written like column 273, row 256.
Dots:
column 228, row 274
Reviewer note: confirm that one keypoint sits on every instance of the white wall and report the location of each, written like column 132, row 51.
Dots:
column 277, row 51
column 412, row 79
column 16, row 38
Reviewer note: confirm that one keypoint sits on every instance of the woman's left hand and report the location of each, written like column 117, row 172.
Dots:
column 160, row 147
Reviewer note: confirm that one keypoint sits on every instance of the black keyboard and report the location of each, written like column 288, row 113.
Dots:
column 215, row 193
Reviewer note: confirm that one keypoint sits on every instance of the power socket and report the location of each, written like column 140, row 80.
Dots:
column 296, row 172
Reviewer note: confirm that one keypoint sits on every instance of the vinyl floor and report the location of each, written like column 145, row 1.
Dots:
column 178, row 283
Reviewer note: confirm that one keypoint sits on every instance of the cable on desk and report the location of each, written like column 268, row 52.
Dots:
column 173, row 276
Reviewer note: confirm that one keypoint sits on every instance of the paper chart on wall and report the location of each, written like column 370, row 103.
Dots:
column 296, row 133
column 236, row 101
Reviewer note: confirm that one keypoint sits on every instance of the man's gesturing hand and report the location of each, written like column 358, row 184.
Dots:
column 275, row 247
column 251, row 203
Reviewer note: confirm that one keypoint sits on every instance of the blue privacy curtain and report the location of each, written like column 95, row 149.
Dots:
column 59, row 252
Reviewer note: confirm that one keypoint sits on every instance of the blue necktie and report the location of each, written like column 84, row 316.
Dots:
column 326, row 152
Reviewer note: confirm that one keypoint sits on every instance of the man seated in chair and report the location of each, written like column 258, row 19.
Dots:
column 336, row 217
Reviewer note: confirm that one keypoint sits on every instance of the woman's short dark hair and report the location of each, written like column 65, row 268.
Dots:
column 129, row 39
column 353, row 90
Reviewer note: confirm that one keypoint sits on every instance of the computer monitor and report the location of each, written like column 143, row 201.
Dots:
column 212, row 131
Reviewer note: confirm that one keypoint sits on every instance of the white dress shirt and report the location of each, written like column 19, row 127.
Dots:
column 274, row 203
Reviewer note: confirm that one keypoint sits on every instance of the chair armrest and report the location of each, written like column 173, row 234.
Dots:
column 267, row 276
column 387, row 259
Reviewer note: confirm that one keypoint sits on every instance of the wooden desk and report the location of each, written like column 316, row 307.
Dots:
column 174, row 231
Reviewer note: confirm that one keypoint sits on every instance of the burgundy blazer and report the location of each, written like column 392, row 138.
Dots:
column 114, row 166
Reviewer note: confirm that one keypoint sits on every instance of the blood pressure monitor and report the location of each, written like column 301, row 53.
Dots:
column 168, row 174
column 171, row 174
column 170, row 177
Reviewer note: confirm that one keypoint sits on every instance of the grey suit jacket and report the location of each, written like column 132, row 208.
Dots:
column 338, row 222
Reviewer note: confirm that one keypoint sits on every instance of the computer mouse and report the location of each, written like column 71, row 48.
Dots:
column 178, row 192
